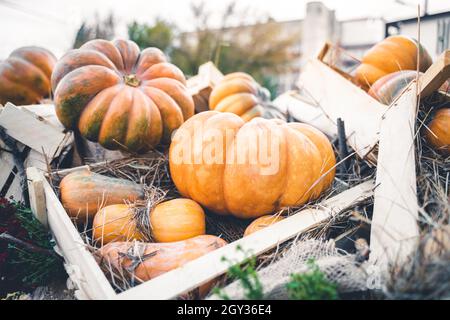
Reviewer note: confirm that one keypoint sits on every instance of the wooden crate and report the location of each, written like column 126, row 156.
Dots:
column 92, row 283
column 333, row 93
column 383, row 135
column 38, row 137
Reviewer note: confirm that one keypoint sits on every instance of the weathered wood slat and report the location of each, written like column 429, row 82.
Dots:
column 394, row 223
column 305, row 111
column 340, row 98
column 37, row 195
column 33, row 130
column 87, row 274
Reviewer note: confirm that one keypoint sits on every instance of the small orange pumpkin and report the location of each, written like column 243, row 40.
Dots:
column 395, row 53
column 115, row 223
column 177, row 220
column 261, row 223
column 439, row 137
column 120, row 97
column 240, row 94
column 25, row 76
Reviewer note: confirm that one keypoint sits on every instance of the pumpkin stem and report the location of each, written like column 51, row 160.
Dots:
column 131, row 80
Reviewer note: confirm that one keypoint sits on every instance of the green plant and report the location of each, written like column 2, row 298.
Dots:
column 26, row 255
column 247, row 276
column 263, row 50
column 159, row 35
column 100, row 29
column 311, row 285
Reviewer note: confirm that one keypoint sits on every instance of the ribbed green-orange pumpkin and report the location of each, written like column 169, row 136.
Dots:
column 121, row 97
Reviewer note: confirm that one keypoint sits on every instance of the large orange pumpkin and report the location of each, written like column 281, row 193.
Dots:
column 83, row 193
column 249, row 169
column 154, row 259
column 25, row 76
column 120, row 97
column 439, row 137
column 115, row 223
column 240, row 94
column 177, row 220
column 395, row 53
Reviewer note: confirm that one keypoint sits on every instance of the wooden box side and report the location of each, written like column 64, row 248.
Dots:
column 82, row 267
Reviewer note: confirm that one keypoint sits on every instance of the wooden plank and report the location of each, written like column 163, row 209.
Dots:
column 15, row 190
column 37, row 160
column 6, row 164
column 46, row 111
column 89, row 277
column 305, row 111
column 37, row 195
column 197, row 272
column 436, row 75
column 339, row 98
column 33, row 131
column 394, row 223
column 201, row 85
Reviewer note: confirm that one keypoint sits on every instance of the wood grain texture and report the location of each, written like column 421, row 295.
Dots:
column 33, row 130
column 339, row 98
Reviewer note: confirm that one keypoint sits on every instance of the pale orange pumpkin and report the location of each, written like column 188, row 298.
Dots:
column 115, row 223
column 395, row 53
column 83, row 193
column 438, row 132
column 261, row 223
column 249, row 169
column 177, row 220
column 154, row 259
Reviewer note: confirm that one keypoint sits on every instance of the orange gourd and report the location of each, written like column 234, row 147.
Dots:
column 395, row 53
column 83, row 193
column 120, row 97
column 177, row 220
column 240, row 94
column 438, row 132
column 154, row 259
column 115, row 223
column 249, row 169
column 25, row 76
column 261, row 223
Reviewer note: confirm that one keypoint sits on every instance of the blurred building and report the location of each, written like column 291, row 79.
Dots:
column 434, row 31
column 356, row 36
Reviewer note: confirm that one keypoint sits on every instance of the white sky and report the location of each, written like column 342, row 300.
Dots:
column 53, row 23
